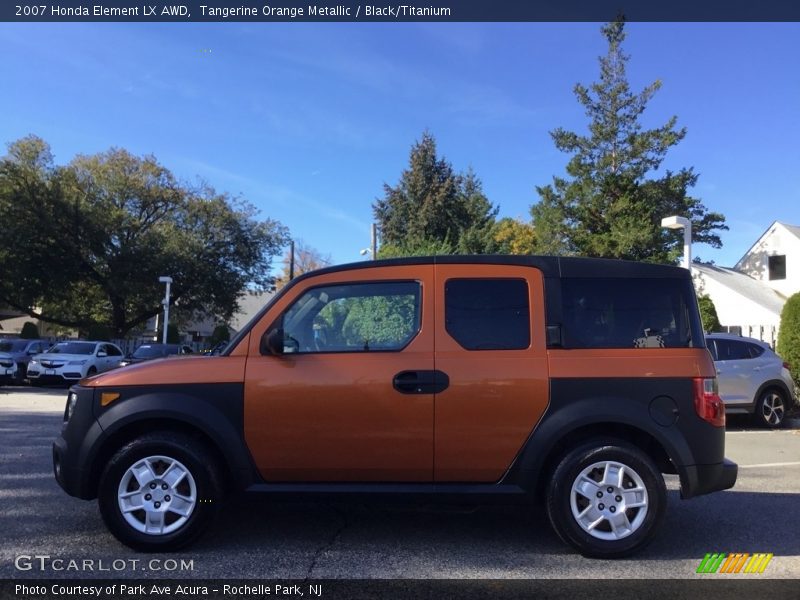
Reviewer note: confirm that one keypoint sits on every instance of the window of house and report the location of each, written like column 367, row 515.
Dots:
column 357, row 317
column 488, row 314
column 777, row 267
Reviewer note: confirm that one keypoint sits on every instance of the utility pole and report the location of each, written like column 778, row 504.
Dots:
column 374, row 241
column 168, row 281
column 291, row 260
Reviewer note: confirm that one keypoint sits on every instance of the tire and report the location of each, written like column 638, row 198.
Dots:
column 177, row 508
column 580, row 505
column 771, row 409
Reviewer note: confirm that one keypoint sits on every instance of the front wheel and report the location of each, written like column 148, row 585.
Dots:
column 771, row 409
column 159, row 492
column 606, row 499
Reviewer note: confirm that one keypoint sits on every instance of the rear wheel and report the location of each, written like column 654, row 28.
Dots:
column 160, row 492
column 606, row 499
column 771, row 409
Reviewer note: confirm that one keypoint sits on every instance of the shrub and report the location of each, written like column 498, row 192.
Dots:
column 29, row 331
column 708, row 314
column 221, row 334
column 99, row 332
column 789, row 335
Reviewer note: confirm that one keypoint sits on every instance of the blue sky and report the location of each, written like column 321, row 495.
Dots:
column 308, row 121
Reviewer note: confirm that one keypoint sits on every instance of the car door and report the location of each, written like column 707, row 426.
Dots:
column 490, row 344
column 349, row 397
column 734, row 371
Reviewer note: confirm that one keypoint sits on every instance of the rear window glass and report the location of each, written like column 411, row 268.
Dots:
column 630, row 313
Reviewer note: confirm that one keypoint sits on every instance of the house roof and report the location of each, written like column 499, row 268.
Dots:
column 744, row 285
column 793, row 229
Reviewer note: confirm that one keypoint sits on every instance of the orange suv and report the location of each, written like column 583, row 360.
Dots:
column 576, row 382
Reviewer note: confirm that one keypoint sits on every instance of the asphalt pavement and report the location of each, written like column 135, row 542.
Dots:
column 312, row 540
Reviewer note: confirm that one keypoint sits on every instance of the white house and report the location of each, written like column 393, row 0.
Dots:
column 750, row 296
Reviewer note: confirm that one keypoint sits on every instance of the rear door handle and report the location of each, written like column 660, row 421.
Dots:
column 421, row 382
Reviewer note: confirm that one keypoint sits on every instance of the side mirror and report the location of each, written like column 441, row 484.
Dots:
column 272, row 342
column 102, row 354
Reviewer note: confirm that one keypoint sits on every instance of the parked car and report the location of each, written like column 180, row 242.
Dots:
column 752, row 378
column 21, row 352
column 8, row 370
column 73, row 360
column 577, row 382
column 152, row 351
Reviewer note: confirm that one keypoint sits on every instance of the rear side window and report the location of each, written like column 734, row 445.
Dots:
column 736, row 350
column 630, row 313
column 488, row 314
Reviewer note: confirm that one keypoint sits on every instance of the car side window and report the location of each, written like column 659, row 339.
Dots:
column 755, row 350
column 732, row 350
column 356, row 317
column 712, row 348
column 488, row 314
column 112, row 350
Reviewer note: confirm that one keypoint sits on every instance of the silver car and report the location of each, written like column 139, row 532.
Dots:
column 752, row 378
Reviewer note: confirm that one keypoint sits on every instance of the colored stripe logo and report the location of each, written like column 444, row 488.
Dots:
column 738, row 562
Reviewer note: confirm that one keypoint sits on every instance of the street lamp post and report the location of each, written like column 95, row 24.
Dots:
column 676, row 222
column 373, row 249
column 168, row 281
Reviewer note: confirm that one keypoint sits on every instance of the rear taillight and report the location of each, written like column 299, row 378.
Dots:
column 786, row 366
column 707, row 402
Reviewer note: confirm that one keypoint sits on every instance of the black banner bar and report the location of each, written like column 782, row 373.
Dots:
column 708, row 588
column 396, row 10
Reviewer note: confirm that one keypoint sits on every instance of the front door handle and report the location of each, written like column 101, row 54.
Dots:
column 421, row 382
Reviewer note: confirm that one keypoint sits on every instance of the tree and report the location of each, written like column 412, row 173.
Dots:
column 433, row 207
column 221, row 333
column 789, row 335
column 608, row 207
column 708, row 314
column 306, row 259
column 29, row 331
column 514, row 236
column 86, row 243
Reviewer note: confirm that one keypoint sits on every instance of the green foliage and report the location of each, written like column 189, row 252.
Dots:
column 88, row 241
column 98, row 331
column 514, row 236
column 29, row 331
column 221, row 333
column 371, row 321
column 173, row 333
column 708, row 314
column 434, row 208
column 789, row 335
column 608, row 207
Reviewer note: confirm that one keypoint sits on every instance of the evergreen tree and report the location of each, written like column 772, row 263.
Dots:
column 608, row 207
column 433, row 207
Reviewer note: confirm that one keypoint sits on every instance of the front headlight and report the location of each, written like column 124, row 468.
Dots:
column 33, row 363
column 72, row 399
column 78, row 362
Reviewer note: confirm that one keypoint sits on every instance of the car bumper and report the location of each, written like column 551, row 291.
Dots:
column 67, row 377
column 698, row 480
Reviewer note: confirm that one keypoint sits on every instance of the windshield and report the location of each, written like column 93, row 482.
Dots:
column 15, row 346
column 148, row 351
column 73, row 348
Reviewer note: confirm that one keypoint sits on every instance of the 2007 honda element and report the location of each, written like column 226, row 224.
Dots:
column 575, row 382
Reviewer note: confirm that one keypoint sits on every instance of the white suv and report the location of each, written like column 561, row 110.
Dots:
column 70, row 361
column 752, row 378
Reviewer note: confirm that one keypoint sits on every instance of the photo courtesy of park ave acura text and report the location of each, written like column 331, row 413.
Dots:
column 398, row 302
